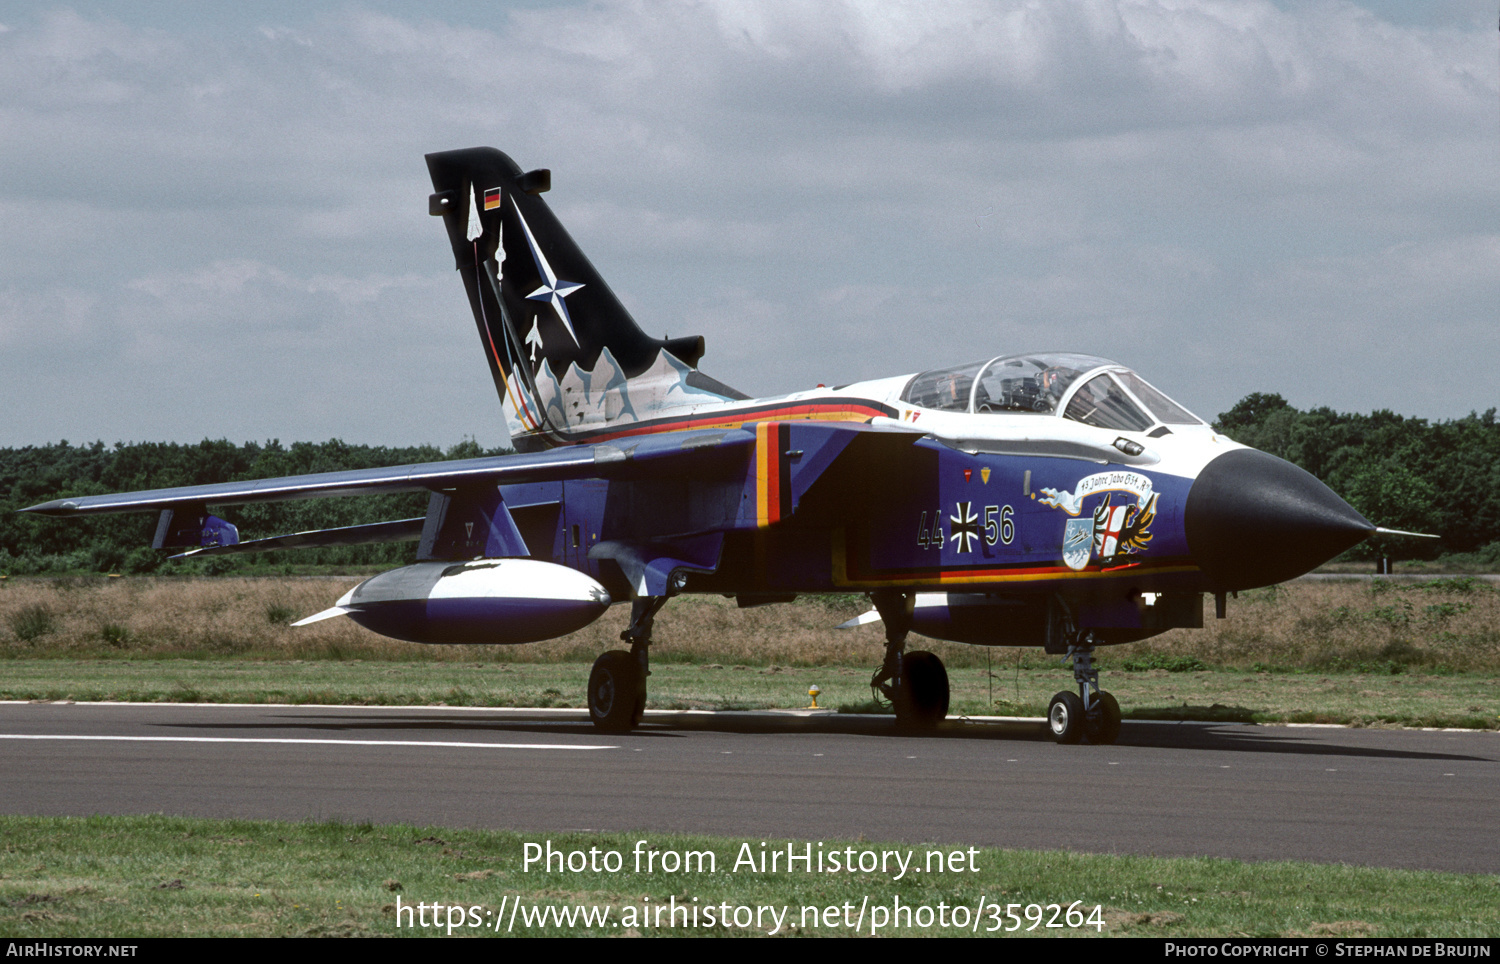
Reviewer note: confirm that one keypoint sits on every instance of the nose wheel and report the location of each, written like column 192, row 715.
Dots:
column 1091, row 713
column 1065, row 717
column 1103, row 726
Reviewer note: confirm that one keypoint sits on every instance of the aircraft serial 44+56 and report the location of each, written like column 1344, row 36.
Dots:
column 1027, row 499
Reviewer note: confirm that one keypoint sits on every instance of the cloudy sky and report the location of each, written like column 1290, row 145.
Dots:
column 214, row 224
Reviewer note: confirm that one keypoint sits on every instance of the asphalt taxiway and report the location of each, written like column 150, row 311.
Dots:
column 1394, row 798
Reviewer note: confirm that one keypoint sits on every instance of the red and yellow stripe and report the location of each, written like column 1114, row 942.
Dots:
column 773, row 497
column 844, row 578
column 832, row 410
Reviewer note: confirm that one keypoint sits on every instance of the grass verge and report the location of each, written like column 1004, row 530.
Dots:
column 1441, row 626
column 1358, row 699
column 1363, row 653
column 167, row 876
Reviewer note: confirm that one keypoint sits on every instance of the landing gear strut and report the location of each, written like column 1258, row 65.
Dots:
column 617, row 683
column 1093, row 713
column 916, row 683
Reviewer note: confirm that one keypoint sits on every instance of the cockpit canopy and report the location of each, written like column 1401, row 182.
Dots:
column 1087, row 389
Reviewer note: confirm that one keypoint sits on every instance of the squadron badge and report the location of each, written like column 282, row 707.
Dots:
column 1078, row 542
column 1110, row 530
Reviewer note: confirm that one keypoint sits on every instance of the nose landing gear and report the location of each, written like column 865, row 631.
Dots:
column 1093, row 713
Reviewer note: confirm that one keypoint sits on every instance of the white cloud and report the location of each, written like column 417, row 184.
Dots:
column 1220, row 193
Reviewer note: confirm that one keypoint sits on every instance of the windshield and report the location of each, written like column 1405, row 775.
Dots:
column 1161, row 406
column 1114, row 397
column 1100, row 402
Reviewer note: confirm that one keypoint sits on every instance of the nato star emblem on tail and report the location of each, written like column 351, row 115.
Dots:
column 552, row 290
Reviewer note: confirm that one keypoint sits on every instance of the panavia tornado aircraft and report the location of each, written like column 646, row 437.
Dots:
column 1028, row 499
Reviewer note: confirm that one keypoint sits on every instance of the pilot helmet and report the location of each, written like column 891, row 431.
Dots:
column 1053, row 381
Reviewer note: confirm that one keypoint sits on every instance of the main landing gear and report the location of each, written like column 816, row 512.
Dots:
column 916, row 683
column 617, row 683
column 1092, row 713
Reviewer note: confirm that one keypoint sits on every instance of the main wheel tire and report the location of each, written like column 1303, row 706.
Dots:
column 1065, row 717
column 922, row 699
column 617, row 694
column 1103, row 728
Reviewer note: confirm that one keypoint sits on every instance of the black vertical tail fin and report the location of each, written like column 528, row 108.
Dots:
column 566, row 356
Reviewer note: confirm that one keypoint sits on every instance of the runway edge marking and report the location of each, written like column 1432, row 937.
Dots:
column 293, row 740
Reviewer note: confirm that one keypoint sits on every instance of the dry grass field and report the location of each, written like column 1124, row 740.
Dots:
column 1445, row 626
column 1355, row 652
column 147, row 617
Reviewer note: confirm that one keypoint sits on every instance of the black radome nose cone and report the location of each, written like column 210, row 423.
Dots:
column 1252, row 520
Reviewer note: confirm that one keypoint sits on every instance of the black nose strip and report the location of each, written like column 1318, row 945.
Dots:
column 1252, row 520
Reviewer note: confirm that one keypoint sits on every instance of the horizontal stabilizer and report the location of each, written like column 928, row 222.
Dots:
column 402, row 530
column 325, row 614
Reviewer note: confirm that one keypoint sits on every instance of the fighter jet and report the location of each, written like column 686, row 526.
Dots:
column 1038, row 498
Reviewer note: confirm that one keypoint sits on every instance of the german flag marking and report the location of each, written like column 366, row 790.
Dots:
column 838, row 410
column 773, row 495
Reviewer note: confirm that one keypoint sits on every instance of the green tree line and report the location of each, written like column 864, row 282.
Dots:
column 1403, row 473
column 122, row 543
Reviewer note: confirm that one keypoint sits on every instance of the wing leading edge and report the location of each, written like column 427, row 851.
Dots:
column 592, row 461
column 755, row 475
